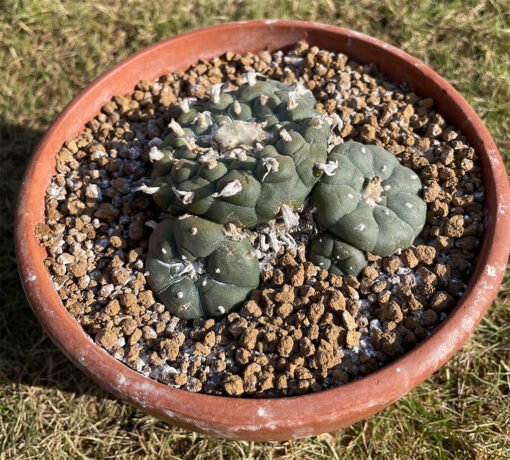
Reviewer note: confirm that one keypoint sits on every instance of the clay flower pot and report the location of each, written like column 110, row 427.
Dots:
column 264, row 419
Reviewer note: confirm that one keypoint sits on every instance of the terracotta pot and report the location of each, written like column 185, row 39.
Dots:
column 264, row 419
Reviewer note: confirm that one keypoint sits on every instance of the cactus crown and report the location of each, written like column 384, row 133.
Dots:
column 372, row 201
column 197, row 269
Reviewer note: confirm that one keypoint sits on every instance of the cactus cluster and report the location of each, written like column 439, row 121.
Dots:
column 241, row 156
column 248, row 156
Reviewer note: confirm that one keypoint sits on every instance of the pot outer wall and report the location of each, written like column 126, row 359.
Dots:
column 289, row 417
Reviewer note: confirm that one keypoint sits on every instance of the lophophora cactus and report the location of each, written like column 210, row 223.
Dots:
column 197, row 269
column 243, row 156
column 336, row 256
column 370, row 201
column 251, row 155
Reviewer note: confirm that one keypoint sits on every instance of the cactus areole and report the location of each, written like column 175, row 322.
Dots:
column 248, row 156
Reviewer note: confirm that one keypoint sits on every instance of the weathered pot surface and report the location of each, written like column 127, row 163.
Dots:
column 264, row 419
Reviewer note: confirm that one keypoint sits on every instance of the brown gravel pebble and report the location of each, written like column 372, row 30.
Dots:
column 303, row 329
column 409, row 258
column 441, row 301
column 107, row 338
column 426, row 254
column 233, row 385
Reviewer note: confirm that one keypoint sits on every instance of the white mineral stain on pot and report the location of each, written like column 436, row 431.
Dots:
column 491, row 271
column 121, row 381
column 264, row 412
column 503, row 204
column 304, row 432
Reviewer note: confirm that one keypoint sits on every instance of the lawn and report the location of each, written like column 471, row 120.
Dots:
column 49, row 50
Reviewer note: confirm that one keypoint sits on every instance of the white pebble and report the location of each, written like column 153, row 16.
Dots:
column 106, row 290
column 94, row 192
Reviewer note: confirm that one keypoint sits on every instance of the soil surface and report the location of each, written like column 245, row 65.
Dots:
column 303, row 330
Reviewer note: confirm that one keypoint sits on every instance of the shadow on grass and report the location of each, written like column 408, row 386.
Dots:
column 27, row 355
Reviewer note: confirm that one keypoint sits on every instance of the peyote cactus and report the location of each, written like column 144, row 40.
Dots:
column 370, row 200
column 336, row 256
column 243, row 156
column 197, row 269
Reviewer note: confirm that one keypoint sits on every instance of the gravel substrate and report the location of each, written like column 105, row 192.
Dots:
column 303, row 330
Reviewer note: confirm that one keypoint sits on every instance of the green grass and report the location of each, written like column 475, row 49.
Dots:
column 48, row 409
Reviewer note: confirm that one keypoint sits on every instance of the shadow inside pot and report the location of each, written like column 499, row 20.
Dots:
column 27, row 355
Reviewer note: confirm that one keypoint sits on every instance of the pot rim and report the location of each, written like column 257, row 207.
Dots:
column 264, row 418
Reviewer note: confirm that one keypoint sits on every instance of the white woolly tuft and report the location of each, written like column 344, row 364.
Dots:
column 335, row 121
column 155, row 154
column 215, row 93
column 236, row 107
column 185, row 197
column 145, row 189
column 301, row 89
column 238, row 133
column 176, row 128
column 295, row 95
column 201, row 120
column 251, row 78
column 292, row 103
column 271, row 164
column 231, row 189
column 190, row 142
column 290, row 217
column 210, row 158
column 285, row 135
column 328, row 168
column 184, row 105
